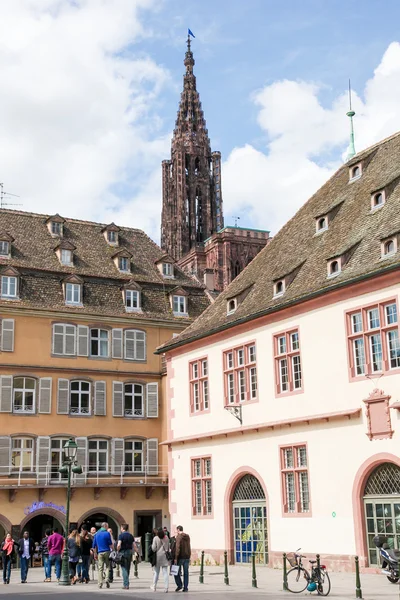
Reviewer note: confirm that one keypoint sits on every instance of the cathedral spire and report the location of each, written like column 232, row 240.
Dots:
column 192, row 200
column 351, row 151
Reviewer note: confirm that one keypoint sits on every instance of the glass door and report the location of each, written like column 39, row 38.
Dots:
column 250, row 532
column 382, row 517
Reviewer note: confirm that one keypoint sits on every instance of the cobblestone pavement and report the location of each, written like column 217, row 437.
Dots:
column 374, row 587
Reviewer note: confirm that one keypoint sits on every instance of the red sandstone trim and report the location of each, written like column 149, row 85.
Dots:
column 200, row 382
column 378, row 415
column 203, row 478
column 296, row 470
column 335, row 416
column 288, row 356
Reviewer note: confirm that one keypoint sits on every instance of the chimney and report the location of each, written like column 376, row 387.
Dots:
column 209, row 279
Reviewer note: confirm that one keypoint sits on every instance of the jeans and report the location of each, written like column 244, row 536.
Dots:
column 126, row 566
column 157, row 574
column 47, row 566
column 184, row 563
column 6, row 568
column 85, row 567
column 55, row 559
column 103, row 561
column 24, row 568
column 79, row 570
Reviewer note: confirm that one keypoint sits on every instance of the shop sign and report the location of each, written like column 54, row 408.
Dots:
column 40, row 505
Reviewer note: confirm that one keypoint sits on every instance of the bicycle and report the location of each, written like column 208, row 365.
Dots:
column 299, row 579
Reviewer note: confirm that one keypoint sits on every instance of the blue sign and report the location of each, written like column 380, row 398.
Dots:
column 39, row 505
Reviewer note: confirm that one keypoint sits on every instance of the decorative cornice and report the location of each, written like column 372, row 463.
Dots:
column 307, row 420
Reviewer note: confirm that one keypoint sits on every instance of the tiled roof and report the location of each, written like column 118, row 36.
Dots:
column 34, row 256
column 353, row 229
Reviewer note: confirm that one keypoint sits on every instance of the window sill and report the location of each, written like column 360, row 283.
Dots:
column 355, row 178
column 321, row 231
column 297, row 515
column 10, row 298
column 133, row 310
column 376, row 208
column 333, row 275
column 278, row 295
column 181, row 314
column 74, row 304
column 80, row 414
column 23, row 412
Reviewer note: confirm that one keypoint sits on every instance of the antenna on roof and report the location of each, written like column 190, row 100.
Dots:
column 236, row 220
column 351, row 150
column 4, row 197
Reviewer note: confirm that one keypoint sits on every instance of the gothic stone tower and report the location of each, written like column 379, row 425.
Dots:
column 192, row 200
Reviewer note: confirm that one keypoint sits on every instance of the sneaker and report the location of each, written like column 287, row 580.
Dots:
column 178, row 589
column 185, row 590
column 153, row 588
column 166, row 591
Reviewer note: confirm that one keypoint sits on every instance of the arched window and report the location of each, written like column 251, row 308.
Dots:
column 383, row 481
column 24, row 392
column 279, row 288
column 322, row 224
column 334, row 268
column 232, row 305
column 355, row 172
column 248, row 488
column 133, row 400
column 377, row 200
column 389, row 247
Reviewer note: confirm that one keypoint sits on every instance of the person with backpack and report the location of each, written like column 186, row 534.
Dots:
column 160, row 548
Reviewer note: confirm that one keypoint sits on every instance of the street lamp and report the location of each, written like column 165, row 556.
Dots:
column 70, row 465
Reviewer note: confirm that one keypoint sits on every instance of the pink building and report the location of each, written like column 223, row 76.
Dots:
column 284, row 394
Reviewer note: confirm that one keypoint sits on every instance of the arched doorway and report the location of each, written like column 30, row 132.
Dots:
column 250, row 532
column 95, row 517
column 381, row 497
column 36, row 525
column 5, row 527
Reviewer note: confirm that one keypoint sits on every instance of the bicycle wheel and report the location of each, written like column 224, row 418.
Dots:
column 297, row 580
column 323, row 583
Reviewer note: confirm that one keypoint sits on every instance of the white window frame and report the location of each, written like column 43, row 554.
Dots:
column 325, row 227
column 97, row 450
column 179, row 301
column 66, row 257
column 167, row 270
column 134, row 394
column 135, row 341
column 335, row 273
column 112, row 234
column 129, row 297
column 24, row 449
column 278, row 294
column 55, row 475
column 7, row 282
column 100, row 341
column 355, row 177
column 73, row 287
column 79, row 411
column 374, row 196
column 231, row 306
column 4, row 248
column 56, row 228
column 64, row 335
column 134, row 451
column 24, row 391
column 123, row 264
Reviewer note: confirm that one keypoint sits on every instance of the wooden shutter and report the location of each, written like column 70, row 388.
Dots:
column 140, row 349
column 58, row 339
column 130, row 343
column 118, row 399
column 6, row 393
column 152, row 399
column 43, row 459
column 5, row 455
column 81, row 458
column 45, row 395
column 117, row 343
column 83, row 340
column 63, row 397
column 117, row 456
column 7, row 335
column 152, row 456
column 100, row 398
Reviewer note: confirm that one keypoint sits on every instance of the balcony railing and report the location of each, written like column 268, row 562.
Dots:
column 11, row 477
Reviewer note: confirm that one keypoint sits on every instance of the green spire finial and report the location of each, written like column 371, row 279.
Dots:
column 351, row 150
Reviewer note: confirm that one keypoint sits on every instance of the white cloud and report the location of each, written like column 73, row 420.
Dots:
column 303, row 140
column 77, row 108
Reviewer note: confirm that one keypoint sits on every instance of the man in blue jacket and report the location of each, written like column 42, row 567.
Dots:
column 102, row 546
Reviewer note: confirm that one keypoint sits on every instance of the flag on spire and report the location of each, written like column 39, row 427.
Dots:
column 191, row 33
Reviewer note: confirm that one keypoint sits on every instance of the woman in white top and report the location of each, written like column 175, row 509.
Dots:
column 160, row 546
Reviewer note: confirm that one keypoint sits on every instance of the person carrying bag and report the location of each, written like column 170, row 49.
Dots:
column 160, row 548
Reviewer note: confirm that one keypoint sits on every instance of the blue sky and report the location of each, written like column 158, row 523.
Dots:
column 93, row 88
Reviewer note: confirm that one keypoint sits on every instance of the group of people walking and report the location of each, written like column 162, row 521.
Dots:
column 165, row 552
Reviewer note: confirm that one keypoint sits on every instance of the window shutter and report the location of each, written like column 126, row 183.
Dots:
column 83, row 340
column 140, row 345
column 118, row 399
column 7, row 335
column 58, row 339
column 130, row 344
column 43, row 459
column 117, row 456
column 152, row 400
column 81, row 458
column 100, row 398
column 5, row 455
column 152, row 456
column 6, row 393
column 117, row 343
column 45, row 395
column 63, row 397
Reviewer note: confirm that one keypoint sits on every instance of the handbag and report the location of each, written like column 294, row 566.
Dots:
column 174, row 570
column 116, row 557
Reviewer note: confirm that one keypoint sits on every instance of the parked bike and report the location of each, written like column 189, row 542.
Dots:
column 299, row 579
column 389, row 558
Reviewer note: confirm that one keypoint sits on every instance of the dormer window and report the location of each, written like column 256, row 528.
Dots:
column 231, row 306
column 279, row 288
column 334, row 267
column 111, row 234
column 132, row 300
column 73, row 290
column 5, row 249
column 179, row 305
column 321, row 224
column 355, row 172
column 9, row 287
column 377, row 200
column 123, row 264
column 66, row 257
column 167, row 270
column 55, row 225
column 389, row 247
